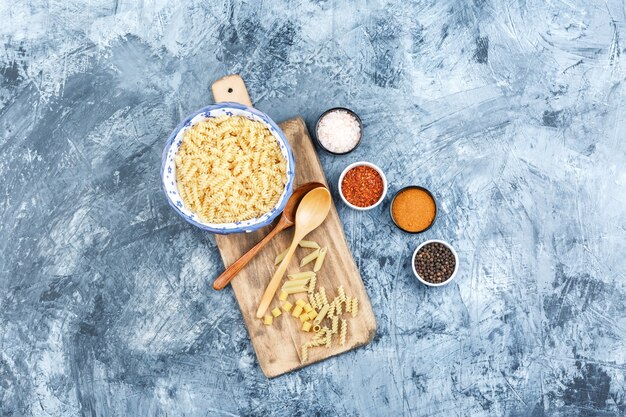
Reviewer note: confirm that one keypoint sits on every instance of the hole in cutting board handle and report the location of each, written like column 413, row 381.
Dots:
column 231, row 88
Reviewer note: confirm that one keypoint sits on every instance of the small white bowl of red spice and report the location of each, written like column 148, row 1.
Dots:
column 362, row 185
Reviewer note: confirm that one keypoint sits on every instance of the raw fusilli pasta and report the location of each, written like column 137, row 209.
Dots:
column 229, row 169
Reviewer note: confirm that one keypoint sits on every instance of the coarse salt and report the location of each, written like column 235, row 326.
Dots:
column 339, row 131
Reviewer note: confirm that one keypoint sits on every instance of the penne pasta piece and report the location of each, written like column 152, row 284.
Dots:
column 287, row 306
column 280, row 257
column 295, row 290
column 300, row 275
column 300, row 302
column 321, row 314
column 312, row 314
column 276, row 312
column 320, row 259
column 306, row 326
column 267, row 320
column 304, row 317
column 296, row 283
column 307, row 307
column 308, row 244
column 309, row 258
column 316, row 328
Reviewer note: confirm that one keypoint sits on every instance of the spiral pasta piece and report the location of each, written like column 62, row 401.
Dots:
column 344, row 332
column 355, row 307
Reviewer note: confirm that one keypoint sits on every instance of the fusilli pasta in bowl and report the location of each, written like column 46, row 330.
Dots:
column 228, row 168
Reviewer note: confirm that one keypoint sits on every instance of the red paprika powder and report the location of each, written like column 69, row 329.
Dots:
column 362, row 186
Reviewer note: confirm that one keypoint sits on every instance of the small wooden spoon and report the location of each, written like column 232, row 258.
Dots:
column 311, row 212
column 287, row 219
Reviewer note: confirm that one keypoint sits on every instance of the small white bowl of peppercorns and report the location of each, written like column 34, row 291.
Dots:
column 435, row 263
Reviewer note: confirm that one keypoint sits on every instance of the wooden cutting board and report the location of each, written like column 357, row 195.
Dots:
column 278, row 346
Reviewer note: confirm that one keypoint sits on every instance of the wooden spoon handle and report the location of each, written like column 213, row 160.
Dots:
column 230, row 272
column 278, row 275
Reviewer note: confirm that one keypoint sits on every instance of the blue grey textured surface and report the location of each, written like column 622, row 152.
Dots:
column 511, row 112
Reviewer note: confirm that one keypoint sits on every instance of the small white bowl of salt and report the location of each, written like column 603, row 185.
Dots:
column 338, row 131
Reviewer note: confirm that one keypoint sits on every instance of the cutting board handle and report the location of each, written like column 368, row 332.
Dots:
column 231, row 88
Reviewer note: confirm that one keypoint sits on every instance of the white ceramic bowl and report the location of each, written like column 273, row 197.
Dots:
column 367, row 164
column 456, row 263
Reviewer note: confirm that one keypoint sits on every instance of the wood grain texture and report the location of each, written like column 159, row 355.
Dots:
column 278, row 346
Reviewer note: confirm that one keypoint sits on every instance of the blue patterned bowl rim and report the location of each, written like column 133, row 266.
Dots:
column 168, row 168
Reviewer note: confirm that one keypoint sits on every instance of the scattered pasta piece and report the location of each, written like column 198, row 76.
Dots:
column 306, row 326
column 313, row 343
column 280, row 257
column 341, row 294
column 287, row 306
column 312, row 283
column 322, row 314
column 276, row 312
column 300, row 302
column 267, row 320
column 320, row 259
column 307, row 307
column 297, row 310
column 296, row 283
column 317, row 328
column 323, row 299
column 318, row 299
column 354, row 309
column 300, row 275
column 304, row 317
column 283, row 296
column 338, row 308
column 309, row 244
column 295, row 290
column 309, row 258
column 312, row 314
column 335, row 325
column 313, row 301
column 329, row 339
column 305, row 353
column 332, row 308
column 348, row 304
column 344, row 332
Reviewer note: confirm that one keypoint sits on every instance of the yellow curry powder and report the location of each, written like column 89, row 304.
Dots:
column 413, row 210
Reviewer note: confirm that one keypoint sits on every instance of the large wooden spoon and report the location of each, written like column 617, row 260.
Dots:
column 311, row 212
column 287, row 219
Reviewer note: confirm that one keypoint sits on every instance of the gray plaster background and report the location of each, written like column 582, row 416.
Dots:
column 511, row 111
